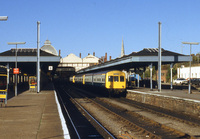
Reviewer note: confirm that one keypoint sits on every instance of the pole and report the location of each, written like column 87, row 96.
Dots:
column 171, row 67
column 159, row 57
column 16, row 74
column 190, row 43
column 138, row 80
column 189, row 85
column 151, row 77
column 15, row 43
column 38, row 56
column 8, row 70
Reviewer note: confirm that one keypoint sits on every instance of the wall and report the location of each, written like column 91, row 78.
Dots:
column 184, row 72
column 171, row 103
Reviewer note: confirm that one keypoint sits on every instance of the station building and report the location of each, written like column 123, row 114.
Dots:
column 77, row 62
column 47, row 47
column 184, row 72
column 25, row 59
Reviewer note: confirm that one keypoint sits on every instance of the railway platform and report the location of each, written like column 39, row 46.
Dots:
column 175, row 100
column 31, row 115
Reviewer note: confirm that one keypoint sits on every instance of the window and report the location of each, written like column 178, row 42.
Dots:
column 99, row 79
column 3, row 82
column 110, row 78
column 121, row 78
column 116, row 79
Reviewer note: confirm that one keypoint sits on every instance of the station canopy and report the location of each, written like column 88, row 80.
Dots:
column 27, row 59
column 139, row 59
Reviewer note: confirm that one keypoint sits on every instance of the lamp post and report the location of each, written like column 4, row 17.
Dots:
column 15, row 43
column 38, row 57
column 159, row 56
column 3, row 18
column 190, row 43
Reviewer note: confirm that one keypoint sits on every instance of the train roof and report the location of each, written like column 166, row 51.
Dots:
column 103, row 72
column 96, row 73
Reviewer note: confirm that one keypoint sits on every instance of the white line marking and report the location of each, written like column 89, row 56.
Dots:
column 191, row 100
column 63, row 122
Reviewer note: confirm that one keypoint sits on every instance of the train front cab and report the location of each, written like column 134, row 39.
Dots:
column 3, row 89
column 116, row 82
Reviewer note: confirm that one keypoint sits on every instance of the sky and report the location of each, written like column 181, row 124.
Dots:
column 87, row 26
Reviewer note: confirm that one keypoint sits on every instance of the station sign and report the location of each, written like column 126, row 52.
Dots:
column 15, row 70
column 50, row 68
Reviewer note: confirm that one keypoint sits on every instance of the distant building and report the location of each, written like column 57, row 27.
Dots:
column 122, row 49
column 47, row 47
column 184, row 72
column 77, row 62
column 163, row 75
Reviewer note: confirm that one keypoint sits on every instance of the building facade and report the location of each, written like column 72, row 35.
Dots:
column 184, row 72
column 47, row 47
column 77, row 62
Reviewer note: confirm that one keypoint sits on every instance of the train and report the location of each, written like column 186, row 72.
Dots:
column 113, row 81
column 133, row 80
column 9, row 79
column 3, row 83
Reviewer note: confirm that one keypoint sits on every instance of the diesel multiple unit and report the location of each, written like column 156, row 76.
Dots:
column 113, row 81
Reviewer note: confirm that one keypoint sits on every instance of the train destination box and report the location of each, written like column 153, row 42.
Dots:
column 15, row 70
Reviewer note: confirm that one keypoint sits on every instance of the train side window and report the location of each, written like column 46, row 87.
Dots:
column 99, row 79
column 121, row 78
column 116, row 79
column 110, row 78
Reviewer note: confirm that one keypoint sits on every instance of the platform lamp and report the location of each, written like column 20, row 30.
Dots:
column 190, row 43
column 16, row 69
column 3, row 18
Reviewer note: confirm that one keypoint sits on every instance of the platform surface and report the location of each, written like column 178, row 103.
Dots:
column 195, row 95
column 31, row 115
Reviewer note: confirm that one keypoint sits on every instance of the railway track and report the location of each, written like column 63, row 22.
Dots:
column 80, row 123
column 138, row 121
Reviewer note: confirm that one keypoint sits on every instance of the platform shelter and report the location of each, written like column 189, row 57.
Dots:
column 26, row 59
column 139, row 61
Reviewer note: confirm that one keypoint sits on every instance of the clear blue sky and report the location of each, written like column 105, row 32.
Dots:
column 87, row 26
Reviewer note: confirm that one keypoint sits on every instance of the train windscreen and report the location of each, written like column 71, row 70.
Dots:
column 110, row 78
column 121, row 78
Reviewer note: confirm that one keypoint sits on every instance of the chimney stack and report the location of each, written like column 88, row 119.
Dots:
column 80, row 55
column 93, row 53
column 122, row 49
column 110, row 58
column 59, row 52
column 105, row 57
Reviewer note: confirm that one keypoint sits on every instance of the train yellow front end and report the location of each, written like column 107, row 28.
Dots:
column 115, row 81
